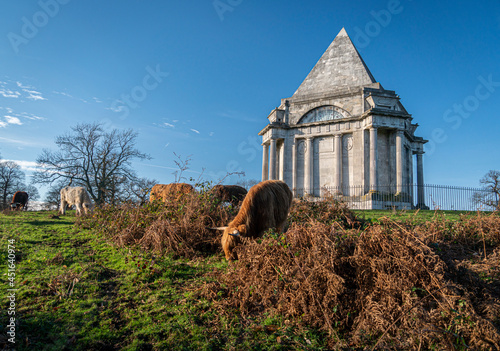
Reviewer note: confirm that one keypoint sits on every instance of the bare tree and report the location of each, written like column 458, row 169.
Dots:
column 11, row 180
column 92, row 157
column 138, row 191
column 247, row 183
column 490, row 196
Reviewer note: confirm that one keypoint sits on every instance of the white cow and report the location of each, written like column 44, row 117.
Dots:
column 77, row 196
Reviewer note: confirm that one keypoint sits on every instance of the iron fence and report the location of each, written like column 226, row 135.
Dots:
column 409, row 196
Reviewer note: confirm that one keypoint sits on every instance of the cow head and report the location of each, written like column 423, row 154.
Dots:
column 230, row 238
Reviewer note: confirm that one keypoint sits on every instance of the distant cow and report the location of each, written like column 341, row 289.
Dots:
column 266, row 206
column 75, row 196
column 229, row 193
column 19, row 201
column 171, row 191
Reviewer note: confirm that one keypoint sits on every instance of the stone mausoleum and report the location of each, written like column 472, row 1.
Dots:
column 342, row 134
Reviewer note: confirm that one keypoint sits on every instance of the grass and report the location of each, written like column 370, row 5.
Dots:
column 412, row 216
column 77, row 291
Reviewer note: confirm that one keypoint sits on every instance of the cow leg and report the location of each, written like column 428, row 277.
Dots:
column 62, row 208
column 78, row 209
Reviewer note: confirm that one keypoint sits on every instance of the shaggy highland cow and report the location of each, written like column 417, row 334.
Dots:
column 266, row 206
column 229, row 193
column 171, row 191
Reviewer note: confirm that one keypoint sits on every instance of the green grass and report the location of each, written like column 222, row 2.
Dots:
column 412, row 216
column 78, row 292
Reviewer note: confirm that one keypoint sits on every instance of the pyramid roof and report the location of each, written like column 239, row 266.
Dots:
column 340, row 67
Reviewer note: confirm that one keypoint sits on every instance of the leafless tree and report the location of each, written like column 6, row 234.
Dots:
column 490, row 196
column 11, row 180
column 92, row 157
column 247, row 183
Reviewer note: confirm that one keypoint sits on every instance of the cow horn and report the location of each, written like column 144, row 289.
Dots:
column 217, row 228
column 235, row 233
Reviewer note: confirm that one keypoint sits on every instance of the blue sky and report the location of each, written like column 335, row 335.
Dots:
column 204, row 75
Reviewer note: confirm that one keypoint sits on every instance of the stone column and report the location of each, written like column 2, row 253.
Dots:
column 373, row 159
column 265, row 161
column 337, row 163
column 282, row 160
column 399, row 161
column 420, row 182
column 294, row 167
column 272, row 160
column 308, row 167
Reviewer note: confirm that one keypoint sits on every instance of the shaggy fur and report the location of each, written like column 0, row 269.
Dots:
column 75, row 196
column 19, row 201
column 229, row 193
column 266, row 206
column 171, row 191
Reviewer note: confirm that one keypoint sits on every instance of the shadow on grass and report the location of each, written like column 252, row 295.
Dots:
column 44, row 223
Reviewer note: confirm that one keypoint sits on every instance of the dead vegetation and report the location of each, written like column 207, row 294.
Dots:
column 390, row 285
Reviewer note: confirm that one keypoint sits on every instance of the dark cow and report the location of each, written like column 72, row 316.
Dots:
column 171, row 191
column 266, row 206
column 19, row 201
column 229, row 193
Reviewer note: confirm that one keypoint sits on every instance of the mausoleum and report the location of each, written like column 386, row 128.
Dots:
column 342, row 134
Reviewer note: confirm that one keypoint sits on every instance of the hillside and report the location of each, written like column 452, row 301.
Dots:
column 154, row 278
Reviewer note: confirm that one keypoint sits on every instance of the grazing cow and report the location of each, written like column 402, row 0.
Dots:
column 19, row 201
column 171, row 191
column 77, row 196
column 229, row 193
column 266, row 206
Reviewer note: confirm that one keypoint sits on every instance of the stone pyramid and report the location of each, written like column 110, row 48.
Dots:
column 341, row 67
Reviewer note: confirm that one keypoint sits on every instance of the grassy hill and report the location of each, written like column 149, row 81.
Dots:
column 155, row 279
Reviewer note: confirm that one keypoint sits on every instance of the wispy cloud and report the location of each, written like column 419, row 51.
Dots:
column 194, row 130
column 168, row 125
column 16, row 118
column 63, row 93
column 7, row 93
column 97, row 100
column 16, row 141
column 26, row 165
column 34, row 95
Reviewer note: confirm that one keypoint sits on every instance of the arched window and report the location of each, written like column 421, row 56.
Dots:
column 321, row 114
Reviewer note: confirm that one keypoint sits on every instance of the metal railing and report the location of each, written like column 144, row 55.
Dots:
column 387, row 197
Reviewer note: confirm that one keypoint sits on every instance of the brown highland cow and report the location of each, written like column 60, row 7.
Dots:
column 266, row 206
column 171, row 191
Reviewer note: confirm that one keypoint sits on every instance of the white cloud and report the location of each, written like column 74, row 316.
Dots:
column 62, row 93
column 34, row 95
column 3, row 125
column 9, row 93
column 26, row 165
column 168, row 125
column 20, row 85
column 211, row 134
column 97, row 100
column 13, row 120
column 194, row 130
